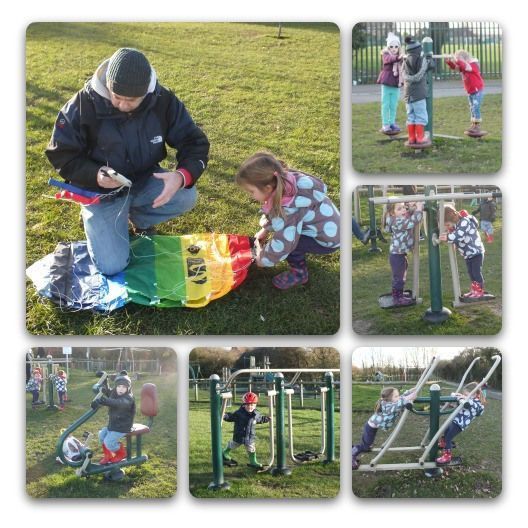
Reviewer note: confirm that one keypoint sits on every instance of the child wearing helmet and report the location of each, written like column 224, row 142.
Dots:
column 244, row 431
column 121, row 411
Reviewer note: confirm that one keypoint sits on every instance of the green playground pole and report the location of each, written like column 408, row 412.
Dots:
column 437, row 313
column 51, row 404
column 330, row 432
column 216, row 435
column 427, row 46
column 434, row 425
column 280, row 468
column 372, row 218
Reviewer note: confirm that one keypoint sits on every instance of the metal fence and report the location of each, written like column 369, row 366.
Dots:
column 482, row 39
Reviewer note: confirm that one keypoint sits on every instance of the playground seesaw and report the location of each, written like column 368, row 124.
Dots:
column 83, row 463
column 434, row 222
column 438, row 405
column 220, row 394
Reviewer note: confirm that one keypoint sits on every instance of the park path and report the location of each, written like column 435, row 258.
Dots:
column 370, row 93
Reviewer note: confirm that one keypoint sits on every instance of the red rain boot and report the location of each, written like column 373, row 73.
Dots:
column 489, row 238
column 120, row 454
column 107, row 456
column 411, row 130
column 445, row 458
column 420, row 137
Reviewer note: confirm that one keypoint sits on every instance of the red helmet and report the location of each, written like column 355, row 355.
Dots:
column 250, row 397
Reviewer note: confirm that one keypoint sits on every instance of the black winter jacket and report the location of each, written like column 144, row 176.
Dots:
column 244, row 431
column 89, row 133
column 121, row 410
column 487, row 210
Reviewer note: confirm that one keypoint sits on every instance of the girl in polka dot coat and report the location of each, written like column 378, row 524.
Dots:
column 299, row 218
column 463, row 232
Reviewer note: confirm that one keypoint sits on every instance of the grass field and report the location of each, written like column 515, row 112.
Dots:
column 155, row 478
column 479, row 476
column 249, row 91
column 310, row 480
column 371, row 277
column 374, row 153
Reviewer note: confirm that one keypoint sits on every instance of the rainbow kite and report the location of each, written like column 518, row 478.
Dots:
column 165, row 271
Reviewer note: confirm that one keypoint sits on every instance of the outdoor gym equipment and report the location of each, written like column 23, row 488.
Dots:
column 220, row 394
column 429, row 443
column 434, row 215
column 84, row 466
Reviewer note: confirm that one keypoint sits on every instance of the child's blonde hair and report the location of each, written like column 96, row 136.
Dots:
column 385, row 395
column 479, row 395
column 263, row 169
column 464, row 55
column 390, row 208
column 451, row 214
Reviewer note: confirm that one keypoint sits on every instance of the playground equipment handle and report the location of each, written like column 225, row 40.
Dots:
column 497, row 359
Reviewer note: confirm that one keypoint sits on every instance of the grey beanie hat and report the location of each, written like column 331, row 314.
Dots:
column 128, row 73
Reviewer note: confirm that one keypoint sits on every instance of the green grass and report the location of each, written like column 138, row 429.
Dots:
column 155, row 478
column 479, row 476
column 374, row 153
column 249, row 91
column 371, row 277
column 310, row 480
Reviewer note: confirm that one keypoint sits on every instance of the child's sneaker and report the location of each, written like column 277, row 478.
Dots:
column 477, row 292
column 386, row 128
column 355, row 463
column 445, row 458
column 399, row 299
column 291, row 278
column 395, row 128
column 471, row 291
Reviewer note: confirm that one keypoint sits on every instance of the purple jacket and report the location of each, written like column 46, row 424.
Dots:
column 391, row 64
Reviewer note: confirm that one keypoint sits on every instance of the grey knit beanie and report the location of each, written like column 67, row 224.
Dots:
column 128, row 73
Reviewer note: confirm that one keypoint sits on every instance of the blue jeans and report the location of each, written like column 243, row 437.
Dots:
column 106, row 223
column 486, row 226
column 417, row 113
column 110, row 438
column 475, row 102
column 390, row 96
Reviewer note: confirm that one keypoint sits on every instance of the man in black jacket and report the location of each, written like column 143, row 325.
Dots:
column 122, row 120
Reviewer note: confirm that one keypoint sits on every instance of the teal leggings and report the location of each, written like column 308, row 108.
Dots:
column 390, row 95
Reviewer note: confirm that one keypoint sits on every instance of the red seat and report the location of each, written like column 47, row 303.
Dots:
column 138, row 430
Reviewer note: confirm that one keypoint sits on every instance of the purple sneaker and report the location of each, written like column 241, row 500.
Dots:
column 395, row 128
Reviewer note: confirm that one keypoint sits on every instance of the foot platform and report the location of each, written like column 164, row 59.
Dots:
column 455, row 461
column 477, row 135
column 307, row 456
column 229, row 462
column 487, row 297
column 390, row 132
column 387, row 301
column 419, row 146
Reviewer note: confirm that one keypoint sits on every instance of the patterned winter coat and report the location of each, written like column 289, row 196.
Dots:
column 60, row 384
column 402, row 229
column 309, row 212
column 466, row 416
column 33, row 384
column 466, row 237
column 389, row 412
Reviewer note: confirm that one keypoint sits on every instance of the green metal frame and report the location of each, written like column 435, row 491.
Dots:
column 85, row 466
